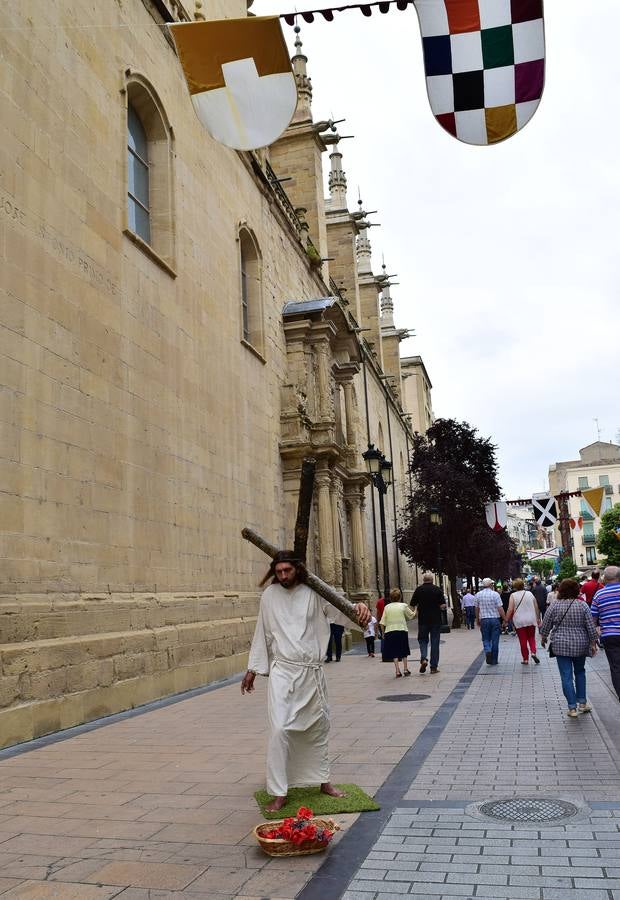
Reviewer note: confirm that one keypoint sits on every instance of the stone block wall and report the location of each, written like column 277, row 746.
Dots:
column 67, row 659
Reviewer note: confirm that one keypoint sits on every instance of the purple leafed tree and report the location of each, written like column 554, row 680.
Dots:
column 454, row 471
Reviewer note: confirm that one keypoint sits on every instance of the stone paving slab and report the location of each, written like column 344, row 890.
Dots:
column 161, row 804
column 509, row 736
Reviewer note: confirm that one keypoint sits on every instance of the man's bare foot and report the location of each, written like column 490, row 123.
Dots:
column 328, row 788
column 276, row 804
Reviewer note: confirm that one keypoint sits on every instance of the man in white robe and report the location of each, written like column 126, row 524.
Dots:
column 291, row 634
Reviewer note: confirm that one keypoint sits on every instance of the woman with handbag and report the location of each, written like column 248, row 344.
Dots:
column 524, row 613
column 573, row 637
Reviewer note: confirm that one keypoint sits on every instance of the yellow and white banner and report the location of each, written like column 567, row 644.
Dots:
column 240, row 79
column 594, row 499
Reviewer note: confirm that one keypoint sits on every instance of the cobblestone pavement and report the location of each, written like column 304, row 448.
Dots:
column 508, row 737
column 159, row 803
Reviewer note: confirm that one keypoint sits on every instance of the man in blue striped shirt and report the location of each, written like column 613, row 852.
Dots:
column 605, row 611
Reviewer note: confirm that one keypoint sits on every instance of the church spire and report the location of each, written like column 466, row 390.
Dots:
column 337, row 177
column 303, row 113
column 363, row 247
column 387, row 304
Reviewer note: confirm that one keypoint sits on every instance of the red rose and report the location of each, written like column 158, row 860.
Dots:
column 304, row 813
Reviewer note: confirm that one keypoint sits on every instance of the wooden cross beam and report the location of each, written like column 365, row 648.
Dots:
column 304, row 507
column 318, row 586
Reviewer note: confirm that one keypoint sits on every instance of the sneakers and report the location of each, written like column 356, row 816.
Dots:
column 423, row 665
column 535, row 658
column 584, row 707
column 572, row 714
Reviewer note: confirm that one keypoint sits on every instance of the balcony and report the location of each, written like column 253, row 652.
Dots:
column 589, row 538
column 609, row 489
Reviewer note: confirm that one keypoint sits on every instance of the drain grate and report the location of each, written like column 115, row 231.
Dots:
column 520, row 809
column 403, row 698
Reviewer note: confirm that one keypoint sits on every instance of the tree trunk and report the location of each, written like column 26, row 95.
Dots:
column 457, row 614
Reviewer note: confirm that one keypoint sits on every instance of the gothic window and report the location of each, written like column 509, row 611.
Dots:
column 149, row 183
column 250, row 291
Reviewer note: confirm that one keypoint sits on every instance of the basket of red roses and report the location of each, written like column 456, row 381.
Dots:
column 296, row 836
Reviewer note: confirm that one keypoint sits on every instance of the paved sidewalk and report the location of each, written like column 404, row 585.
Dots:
column 509, row 737
column 160, row 805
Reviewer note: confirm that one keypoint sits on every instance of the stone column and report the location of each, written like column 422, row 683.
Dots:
column 349, row 413
column 325, row 404
column 357, row 545
column 335, row 497
column 326, row 528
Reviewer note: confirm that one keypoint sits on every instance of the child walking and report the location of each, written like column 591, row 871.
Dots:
column 369, row 634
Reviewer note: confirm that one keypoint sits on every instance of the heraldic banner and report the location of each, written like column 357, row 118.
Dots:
column 485, row 65
column 239, row 77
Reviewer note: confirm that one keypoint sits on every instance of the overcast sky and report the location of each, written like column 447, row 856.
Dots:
column 507, row 256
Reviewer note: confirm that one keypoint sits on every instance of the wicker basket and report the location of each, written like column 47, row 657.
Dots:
column 280, row 847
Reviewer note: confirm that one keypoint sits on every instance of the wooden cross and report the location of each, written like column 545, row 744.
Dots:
column 304, row 507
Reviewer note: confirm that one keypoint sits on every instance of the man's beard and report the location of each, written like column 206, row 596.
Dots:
column 288, row 584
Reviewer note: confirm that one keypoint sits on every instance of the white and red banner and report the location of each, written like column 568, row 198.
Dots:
column 497, row 515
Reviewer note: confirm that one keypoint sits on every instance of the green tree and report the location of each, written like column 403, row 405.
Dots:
column 608, row 544
column 455, row 472
column 542, row 567
column 568, row 569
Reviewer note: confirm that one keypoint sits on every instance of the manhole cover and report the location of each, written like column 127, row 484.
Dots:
column 521, row 809
column 403, row 698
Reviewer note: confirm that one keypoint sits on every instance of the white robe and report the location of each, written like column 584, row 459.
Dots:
column 290, row 640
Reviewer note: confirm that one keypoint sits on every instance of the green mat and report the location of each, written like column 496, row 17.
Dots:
column 356, row 800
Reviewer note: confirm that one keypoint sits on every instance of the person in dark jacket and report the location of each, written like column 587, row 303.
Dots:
column 540, row 592
column 429, row 601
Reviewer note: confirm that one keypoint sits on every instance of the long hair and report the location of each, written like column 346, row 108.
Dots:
column 286, row 556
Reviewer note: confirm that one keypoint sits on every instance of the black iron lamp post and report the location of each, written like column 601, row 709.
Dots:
column 380, row 470
column 436, row 522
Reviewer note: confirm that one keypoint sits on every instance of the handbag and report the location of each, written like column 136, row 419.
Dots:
column 555, row 627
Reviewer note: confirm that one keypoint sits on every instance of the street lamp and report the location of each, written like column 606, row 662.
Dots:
column 380, row 470
column 581, row 558
column 436, row 520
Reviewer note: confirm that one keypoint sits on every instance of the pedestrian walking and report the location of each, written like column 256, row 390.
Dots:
column 605, row 611
column 591, row 586
column 540, row 592
column 369, row 634
column 508, row 627
column 379, row 615
column 570, row 630
column 468, row 605
column 489, row 614
column 523, row 612
column 395, row 632
column 288, row 644
column 429, row 601
column 335, row 637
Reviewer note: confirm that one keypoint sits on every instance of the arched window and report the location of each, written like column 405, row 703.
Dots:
column 138, row 202
column 150, row 213
column 250, row 291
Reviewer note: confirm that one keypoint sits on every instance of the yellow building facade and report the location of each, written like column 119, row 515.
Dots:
column 174, row 342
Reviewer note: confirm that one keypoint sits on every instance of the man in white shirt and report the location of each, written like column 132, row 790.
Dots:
column 489, row 612
column 291, row 634
column 468, row 605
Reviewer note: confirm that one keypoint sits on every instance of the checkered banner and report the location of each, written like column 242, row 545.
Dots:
column 545, row 510
column 485, row 65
